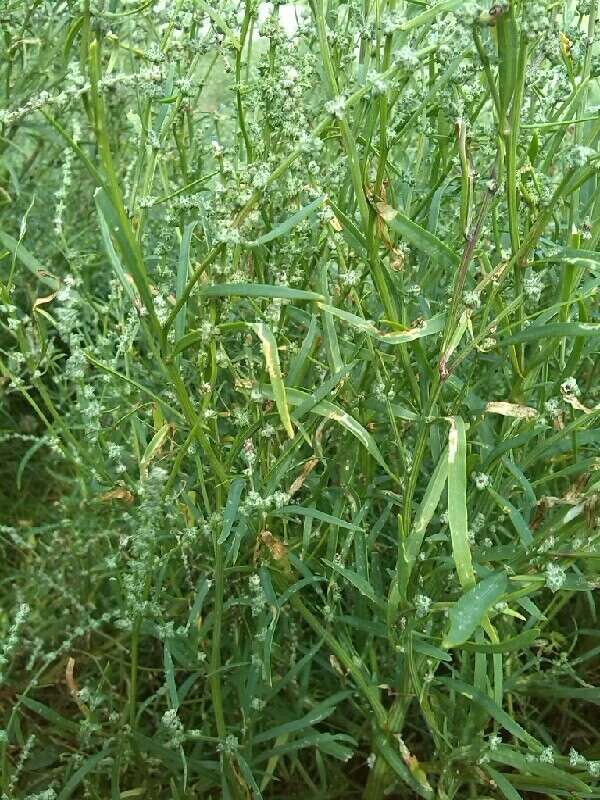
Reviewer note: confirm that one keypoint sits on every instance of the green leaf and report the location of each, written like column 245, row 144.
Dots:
column 457, row 502
column 170, row 676
column 425, row 648
column 113, row 257
column 202, row 589
column 51, row 716
column 517, row 520
column 77, row 778
column 419, row 237
column 429, row 327
column 28, row 260
column 299, row 363
column 118, row 229
column 353, row 234
column 425, row 17
column 331, row 411
column 271, row 354
column 426, row 510
column 501, row 717
column 331, row 743
column 365, row 325
column 467, row 614
column 502, row 782
column 360, row 583
column 153, row 448
column 553, row 778
column 248, row 776
column 285, row 227
column 396, row 762
column 258, row 290
column 317, row 714
column 552, row 329
column 519, row 642
column 231, row 508
column 322, row 392
column 182, row 277
column 314, row 513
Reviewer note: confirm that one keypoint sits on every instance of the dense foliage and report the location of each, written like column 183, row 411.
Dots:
column 299, row 346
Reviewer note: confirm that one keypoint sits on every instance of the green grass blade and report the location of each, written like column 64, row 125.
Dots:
column 420, row 238
column 183, row 264
column 231, row 508
column 258, row 290
column 286, row 227
column 457, row 502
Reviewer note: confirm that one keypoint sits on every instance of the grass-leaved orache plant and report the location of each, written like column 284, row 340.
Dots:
column 299, row 399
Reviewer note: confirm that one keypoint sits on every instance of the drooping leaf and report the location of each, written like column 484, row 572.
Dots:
column 332, row 411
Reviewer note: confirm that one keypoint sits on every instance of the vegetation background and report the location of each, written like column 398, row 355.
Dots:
column 299, row 399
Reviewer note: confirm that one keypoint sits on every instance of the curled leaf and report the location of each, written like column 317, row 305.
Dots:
column 118, row 493
column 41, row 301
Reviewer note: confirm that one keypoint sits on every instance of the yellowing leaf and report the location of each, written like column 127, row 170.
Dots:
column 511, row 410
column 269, row 347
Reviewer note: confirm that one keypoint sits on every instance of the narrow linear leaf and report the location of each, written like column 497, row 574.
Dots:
column 119, row 230
column 521, row 527
column 28, row 260
column 425, row 17
column 360, row 583
column 248, row 776
column 429, row 327
column 269, row 346
column 427, row 508
column 182, row 277
column 457, row 502
column 361, row 324
column 258, row 290
column 425, row 648
column 396, row 762
column 516, row 643
column 322, row 392
column 552, row 329
column 501, row 717
column 59, row 722
column 550, row 777
column 285, row 227
column 299, row 363
column 231, row 508
column 77, row 778
column 314, row 513
column 419, row 237
column 331, row 411
column 502, row 782
column 153, row 448
column 317, row 714
column 170, row 676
